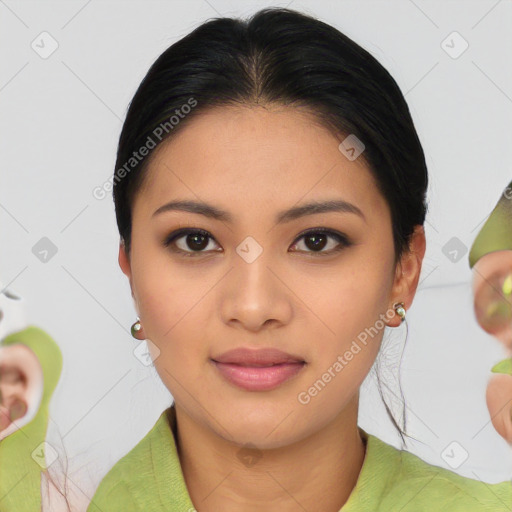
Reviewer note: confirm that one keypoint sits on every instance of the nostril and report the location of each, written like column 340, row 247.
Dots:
column 18, row 409
column 5, row 419
column 12, row 412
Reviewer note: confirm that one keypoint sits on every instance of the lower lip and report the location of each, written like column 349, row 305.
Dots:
column 252, row 378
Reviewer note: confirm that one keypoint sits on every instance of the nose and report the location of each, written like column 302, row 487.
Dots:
column 255, row 295
column 12, row 390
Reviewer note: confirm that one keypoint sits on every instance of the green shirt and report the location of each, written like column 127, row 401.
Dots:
column 149, row 478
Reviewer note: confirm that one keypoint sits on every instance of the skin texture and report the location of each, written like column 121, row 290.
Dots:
column 255, row 162
column 489, row 273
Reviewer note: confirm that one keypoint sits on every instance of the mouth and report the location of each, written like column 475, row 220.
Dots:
column 262, row 357
column 258, row 377
column 260, row 365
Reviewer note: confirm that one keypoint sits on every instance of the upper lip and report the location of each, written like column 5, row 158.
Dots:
column 262, row 356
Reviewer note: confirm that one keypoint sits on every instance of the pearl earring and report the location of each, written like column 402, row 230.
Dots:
column 136, row 327
column 400, row 310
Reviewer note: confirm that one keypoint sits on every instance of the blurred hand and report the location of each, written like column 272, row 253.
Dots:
column 492, row 291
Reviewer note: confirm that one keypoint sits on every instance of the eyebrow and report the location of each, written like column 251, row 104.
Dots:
column 311, row 208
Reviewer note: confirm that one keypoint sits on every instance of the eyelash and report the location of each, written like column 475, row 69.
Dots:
column 339, row 237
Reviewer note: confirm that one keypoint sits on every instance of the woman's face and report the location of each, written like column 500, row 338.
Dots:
column 254, row 281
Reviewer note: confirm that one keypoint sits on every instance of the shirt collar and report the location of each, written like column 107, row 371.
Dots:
column 379, row 466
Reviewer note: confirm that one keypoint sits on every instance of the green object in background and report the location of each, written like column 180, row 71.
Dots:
column 507, row 286
column 496, row 233
column 504, row 366
column 20, row 473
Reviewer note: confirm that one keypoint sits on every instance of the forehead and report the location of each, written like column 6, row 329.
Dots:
column 247, row 158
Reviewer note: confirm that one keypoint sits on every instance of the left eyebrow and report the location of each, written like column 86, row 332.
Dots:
column 311, row 208
column 314, row 207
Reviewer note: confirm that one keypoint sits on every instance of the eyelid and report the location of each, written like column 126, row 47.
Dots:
column 181, row 232
column 324, row 230
column 342, row 239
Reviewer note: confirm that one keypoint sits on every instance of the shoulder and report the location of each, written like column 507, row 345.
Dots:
column 415, row 485
column 131, row 483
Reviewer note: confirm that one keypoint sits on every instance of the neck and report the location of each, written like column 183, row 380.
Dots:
column 317, row 473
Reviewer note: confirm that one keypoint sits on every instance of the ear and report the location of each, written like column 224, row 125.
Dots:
column 124, row 263
column 408, row 272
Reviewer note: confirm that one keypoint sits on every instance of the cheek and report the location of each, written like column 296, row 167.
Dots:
column 175, row 309
column 347, row 303
column 174, row 322
column 348, row 338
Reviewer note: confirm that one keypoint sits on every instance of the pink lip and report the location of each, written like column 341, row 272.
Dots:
column 257, row 357
column 258, row 369
column 258, row 378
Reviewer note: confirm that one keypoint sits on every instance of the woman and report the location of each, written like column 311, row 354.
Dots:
column 270, row 197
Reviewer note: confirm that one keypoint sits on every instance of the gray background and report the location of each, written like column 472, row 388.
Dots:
column 61, row 117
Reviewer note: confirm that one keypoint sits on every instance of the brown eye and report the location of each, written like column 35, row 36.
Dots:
column 189, row 242
column 317, row 240
column 196, row 241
